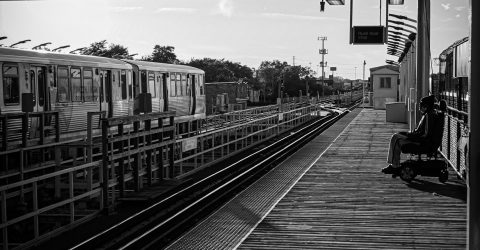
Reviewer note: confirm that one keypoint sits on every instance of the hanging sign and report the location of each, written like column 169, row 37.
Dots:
column 368, row 34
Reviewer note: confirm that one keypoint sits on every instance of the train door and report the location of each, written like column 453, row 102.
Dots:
column 106, row 91
column 38, row 88
column 192, row 85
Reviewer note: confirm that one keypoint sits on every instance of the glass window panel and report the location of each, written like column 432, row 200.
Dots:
column 173, row 88
column 95, row 90
column 76, row 83
column 151, row 84
column 41, row 87
column 32, row 86
column 123, row 80
column 63, row 91
column 88, row 85
column 143, row 80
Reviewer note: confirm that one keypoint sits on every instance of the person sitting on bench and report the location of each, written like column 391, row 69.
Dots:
column 422, row 135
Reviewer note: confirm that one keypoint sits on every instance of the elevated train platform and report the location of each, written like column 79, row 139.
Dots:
column 332, row 195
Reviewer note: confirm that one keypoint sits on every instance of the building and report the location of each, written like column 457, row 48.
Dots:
column 385, row 84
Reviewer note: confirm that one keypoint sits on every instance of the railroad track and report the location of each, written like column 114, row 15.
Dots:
column 176, row 211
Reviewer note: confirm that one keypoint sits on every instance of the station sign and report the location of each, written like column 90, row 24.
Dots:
column 368, row 34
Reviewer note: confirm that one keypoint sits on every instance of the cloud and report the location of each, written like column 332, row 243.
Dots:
column 177, row 10
column 457, row 16
column 226, row 7
column 300, row 17
column 126, row 8
column 446, row 6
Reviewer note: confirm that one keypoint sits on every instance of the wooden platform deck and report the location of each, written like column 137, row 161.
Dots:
column 340, row 200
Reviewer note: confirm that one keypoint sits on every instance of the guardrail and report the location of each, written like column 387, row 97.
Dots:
column 455, row 140
column 213, row 146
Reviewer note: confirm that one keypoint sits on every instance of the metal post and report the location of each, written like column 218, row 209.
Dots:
column 423, row 51
column 473, row 173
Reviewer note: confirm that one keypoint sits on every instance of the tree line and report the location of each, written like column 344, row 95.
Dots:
column 271, row 78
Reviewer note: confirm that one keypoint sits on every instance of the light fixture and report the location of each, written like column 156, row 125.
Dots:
column 336, row 2
column 395, row 2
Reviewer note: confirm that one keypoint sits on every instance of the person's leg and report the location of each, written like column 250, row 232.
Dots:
column 394, row 152
column 394, row 149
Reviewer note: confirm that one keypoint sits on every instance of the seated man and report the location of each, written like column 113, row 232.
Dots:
column 421, row 136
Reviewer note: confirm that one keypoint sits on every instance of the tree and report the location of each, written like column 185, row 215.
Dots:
column 222, row 70
column 162, row 54
column 113, row 51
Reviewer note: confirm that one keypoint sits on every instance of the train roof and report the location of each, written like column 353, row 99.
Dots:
column 46, row 57
column 165, row 67
column 455, row 44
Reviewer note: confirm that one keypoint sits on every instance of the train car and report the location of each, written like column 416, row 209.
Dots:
column 453, row 76
column 172, row 87
column 73, row 85
column 70, row 84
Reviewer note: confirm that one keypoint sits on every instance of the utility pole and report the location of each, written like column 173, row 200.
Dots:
column 323, row 52
column 363, row 81
column 293, row 60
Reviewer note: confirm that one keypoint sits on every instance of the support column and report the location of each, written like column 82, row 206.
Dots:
column 473, row 173
column 423, row 52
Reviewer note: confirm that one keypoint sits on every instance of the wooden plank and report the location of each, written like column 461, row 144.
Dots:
column 344, row 202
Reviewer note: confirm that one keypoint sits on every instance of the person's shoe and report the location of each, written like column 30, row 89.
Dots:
column 389, row 169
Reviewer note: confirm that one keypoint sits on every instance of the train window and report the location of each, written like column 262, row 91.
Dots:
column 32, row 86
column 63, row 91
column 151, row 84
column 200, row 82
column 76, row 82
column 179, row 85
column 189, row 84
column 173, row 84
column 385, row 82
column 88, row 93
column 183, row 86
column 143, row 81
column 130, row 88
column 123, row 82
column 159, row 84
column 11, row 85
column 41, row 87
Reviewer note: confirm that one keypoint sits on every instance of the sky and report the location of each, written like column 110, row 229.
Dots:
column 243, row 31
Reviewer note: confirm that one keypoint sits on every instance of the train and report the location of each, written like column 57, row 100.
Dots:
column 452, row 78
column 73, row 85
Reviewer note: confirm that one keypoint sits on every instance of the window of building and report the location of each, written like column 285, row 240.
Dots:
column 76, row 82
column 385, row 82
column 88, row 85
column 11, row 85
column 63, row 91
column 123, row 83
column 151, row 84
